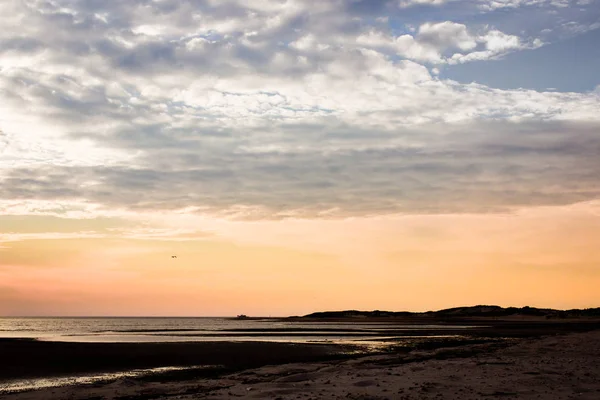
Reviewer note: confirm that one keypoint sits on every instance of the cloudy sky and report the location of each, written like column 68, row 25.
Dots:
column 297, row 155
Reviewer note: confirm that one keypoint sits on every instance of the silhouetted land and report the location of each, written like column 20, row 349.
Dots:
column 479, row 311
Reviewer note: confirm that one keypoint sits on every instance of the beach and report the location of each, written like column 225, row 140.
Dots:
column 548, row 360
column 555, row 367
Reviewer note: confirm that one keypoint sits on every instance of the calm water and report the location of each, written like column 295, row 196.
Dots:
column 199, row 329
column 369, row 335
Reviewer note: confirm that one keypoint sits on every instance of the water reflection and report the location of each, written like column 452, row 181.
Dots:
column 43, row 383
column 130, row 330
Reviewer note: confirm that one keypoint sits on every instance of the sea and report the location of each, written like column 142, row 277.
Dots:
column 169, row 329
column 362, row 334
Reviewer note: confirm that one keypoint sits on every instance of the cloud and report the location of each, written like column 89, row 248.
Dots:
column 459, row 169
column 491, row 5
column 447, row 42
column 445, row 35
column 410, row 3
column 275, row 109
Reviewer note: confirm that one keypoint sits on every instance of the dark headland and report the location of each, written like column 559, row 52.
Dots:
column 479, row 311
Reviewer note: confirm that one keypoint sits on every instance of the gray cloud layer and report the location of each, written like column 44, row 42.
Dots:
column 283, row 107
column 466, row 169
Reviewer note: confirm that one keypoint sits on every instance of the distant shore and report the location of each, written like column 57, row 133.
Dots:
column 478, row 311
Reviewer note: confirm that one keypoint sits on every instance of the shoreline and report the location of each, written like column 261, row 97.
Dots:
column 219, row 361
column 553, row 366
column 31, row 359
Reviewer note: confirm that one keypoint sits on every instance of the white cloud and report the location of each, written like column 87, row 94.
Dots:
column 410, row 3
column 446, row 42
column 286, row 109
column 490, row 5
column 446, row 35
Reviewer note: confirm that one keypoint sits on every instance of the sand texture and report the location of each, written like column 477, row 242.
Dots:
column 553, row 367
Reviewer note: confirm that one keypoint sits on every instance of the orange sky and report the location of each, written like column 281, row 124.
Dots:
column 543, row 256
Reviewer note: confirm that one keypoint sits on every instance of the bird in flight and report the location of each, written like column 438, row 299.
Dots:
column 173, row 256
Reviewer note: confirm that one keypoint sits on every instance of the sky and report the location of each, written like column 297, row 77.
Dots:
column 298, row 156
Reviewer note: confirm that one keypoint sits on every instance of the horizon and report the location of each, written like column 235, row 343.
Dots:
column 185, row 157
column 292, row 316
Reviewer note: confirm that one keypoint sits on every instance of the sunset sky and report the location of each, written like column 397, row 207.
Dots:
column 298, row 156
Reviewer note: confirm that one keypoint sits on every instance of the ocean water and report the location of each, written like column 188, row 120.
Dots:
column 204, row 329
column 366, row 335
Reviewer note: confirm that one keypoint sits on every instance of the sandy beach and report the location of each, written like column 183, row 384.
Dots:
column 555, row 366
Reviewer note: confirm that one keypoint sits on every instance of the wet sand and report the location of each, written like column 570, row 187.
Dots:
column 558, row 365
column 24, row 358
